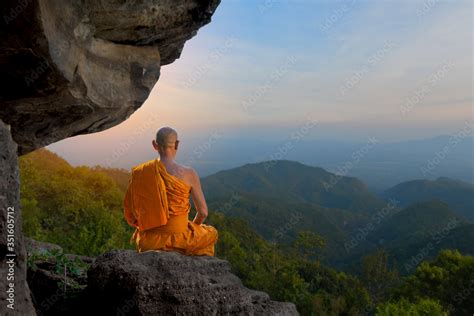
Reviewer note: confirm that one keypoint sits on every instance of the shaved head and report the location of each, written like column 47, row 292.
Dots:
column 166, row 136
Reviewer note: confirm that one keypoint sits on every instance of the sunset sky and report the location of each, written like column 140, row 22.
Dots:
column 396, row 69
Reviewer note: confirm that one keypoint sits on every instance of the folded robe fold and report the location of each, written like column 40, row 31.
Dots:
column 157, row 205
column 146, row 203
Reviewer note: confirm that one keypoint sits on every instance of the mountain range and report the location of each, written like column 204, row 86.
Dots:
column 280, row 198
column 293, row 182
column 378, row 163
column 459, row 195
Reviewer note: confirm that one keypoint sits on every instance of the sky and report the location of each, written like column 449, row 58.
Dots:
column 349, row 70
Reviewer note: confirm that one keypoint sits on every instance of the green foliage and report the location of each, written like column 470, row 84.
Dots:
column 293, row 181
column 448, row 279
column 333, row 292
column 415, row 233
column 423, row 307
column 457, row 194
column 280, row 198
column 273, row 245
column 308, row 244
column 120, row 176
column 285, row 274
column 77, row 208
column 62, row 262
column 281, row 220
column 377, row 275
column 63, row 266
column 418, row 221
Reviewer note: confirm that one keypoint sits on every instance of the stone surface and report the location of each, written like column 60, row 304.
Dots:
column 76, row 67
column 10, row 214
column 56, row 280
column 35, row 246
column 124, row 282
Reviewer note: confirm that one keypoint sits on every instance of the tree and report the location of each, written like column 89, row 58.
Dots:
column 423, row 307
column 449, row 279
column 308, row 244
column 377, row 275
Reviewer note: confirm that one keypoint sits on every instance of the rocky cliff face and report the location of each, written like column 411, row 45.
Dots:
column 124, row 282
column 75, row 67
column 14, row 292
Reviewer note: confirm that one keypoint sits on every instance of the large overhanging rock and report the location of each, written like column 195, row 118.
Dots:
column 75, row 67
column 71, row 67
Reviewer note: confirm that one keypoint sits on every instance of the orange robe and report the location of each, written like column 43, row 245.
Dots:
column 157, row 205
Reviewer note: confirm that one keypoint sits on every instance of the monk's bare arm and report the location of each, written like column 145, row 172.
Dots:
column 198, row 198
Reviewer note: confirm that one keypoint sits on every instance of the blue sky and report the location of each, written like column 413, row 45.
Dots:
column 380, row 54
column 397, row 70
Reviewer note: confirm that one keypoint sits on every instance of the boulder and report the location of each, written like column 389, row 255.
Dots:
column 124, row 282
column 34, row 246
column 76, row 67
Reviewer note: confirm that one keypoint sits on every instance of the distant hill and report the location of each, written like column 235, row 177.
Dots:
column 45, row 161
column 418, row 221
column 293, row 182
column 381, row 167
column 120, row 176
column 268, row 195
column 409, row 255
column 419, row 230
column 457, row 194
column 277, row 200
column 280, row 220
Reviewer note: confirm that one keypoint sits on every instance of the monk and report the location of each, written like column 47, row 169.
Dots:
column 157, row 203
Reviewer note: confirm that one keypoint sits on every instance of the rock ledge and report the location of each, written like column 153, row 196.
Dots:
column 169, row 283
